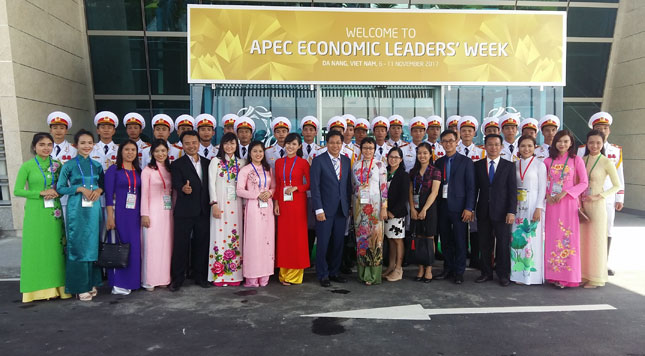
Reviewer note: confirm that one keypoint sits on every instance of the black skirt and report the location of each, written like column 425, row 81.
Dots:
column 428, row 226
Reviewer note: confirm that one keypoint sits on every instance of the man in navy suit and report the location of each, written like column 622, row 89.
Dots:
column 496, row 185
column 456, row 205
column 331, row 189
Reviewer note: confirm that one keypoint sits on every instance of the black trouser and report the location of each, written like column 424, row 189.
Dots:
column 196, row 248
column 498, row 234
column 453, row 241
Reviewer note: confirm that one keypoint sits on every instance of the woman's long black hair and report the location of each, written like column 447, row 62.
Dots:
column 553, row 151
column 595, row 133
column 153, row 162
column 119, row 155
column 401, row 165
column 264, row 162
column 294, row 137
column 229, row 136
column 417, row 165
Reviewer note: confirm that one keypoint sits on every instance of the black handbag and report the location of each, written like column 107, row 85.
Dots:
column 113, row 255
column 418, row 250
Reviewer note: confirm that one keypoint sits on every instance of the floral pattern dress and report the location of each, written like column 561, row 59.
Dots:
column 370, row 176
column 225, row 253
column 562, row 227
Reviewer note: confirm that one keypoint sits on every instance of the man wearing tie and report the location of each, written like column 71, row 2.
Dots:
column 191, row 214
column 456, row 205
column 395, row 131
column 205, row 126
column 509, row 123
column 331, row 190
column 244, row 128
column 281, row 127
column 497, row 189
column 380, row 127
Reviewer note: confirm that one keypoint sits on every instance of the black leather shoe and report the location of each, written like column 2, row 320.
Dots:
column 338, row 279
column 483, row 278
column 426, row 280
column 203, row 284
column 418, row 279
column 174, row 287
column 459, row 279
column 504, row 282
column 325, row 282
column 444, row 275
column 610, row 272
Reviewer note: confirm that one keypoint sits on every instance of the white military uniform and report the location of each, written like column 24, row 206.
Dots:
column 399, row 143
column 207, row 152
column 105, row 153
column 141, row 145
column 63, row 151
column 409, row 155
column 508, row 153
column 243, row 122
column 542, row 151
column 474, row 152
column 437, row 150
column 275, row 152
column 309, row 150
column 136, row 118
column 380, row 152
column 396, row 120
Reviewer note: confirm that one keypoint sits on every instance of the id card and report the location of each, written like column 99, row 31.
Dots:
column 263, row 204
column 130, row 201
column 365, row 196
column 557, row 189
column 167, row 202
column 49, row 203
column 445, row 191
column 522, row 199
column 415, row 199
column 86, row 203
column 285, row 195
column 230, row 193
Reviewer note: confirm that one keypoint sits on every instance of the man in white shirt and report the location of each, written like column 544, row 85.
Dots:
column 435, row 124
column 105, row 150
column 418, row 125
column 549, row 125
column 396, row 130
column 309, row 128
column 509, row 123
column 281, row 126
column 59, row 123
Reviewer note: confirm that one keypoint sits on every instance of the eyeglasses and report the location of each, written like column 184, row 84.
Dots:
column 368, row 149
column 397, row 157
column 448, row 141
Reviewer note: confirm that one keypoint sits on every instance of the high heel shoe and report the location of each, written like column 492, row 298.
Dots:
column 93, row 292
column 426, row 280
column 396, row 275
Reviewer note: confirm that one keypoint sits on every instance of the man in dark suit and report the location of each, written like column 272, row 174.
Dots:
column 191, row 215
column 495, row 183
column 456, row 205
column 331, row 190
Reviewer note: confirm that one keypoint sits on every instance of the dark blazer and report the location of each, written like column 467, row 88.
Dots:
column 461, row 187
column 397, row 193
column 326, row 189
column 495, row 201
column 196, row 203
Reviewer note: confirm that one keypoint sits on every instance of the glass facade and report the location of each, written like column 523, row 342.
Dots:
column 139, row 59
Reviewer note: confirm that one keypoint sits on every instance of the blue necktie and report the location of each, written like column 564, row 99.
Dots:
column 491, row 172
column 448, row 169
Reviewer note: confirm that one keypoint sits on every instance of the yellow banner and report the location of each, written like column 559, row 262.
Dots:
column 249, row 44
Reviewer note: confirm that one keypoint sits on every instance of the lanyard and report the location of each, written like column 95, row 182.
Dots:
column 78, row 163
column 51, row 169
column 228, row 174
column 522, row 175
column 162, row 180
column 594, row 164
column 130, row 189
column 260, row 179
column 284, row 167
column 414, row 184
column 563, row 167
column 367, row 176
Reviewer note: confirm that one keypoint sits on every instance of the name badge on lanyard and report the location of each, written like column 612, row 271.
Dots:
column 557, row 189
column 49, row 203
column 415, row 200
column 230, row 193
column 365, row 194
column 131, row 198
column 522, row 200
column 364, row 189
column 287, row 196
column 263, row 204
column 445, row 191
column 86, row 203
column 167, row 202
